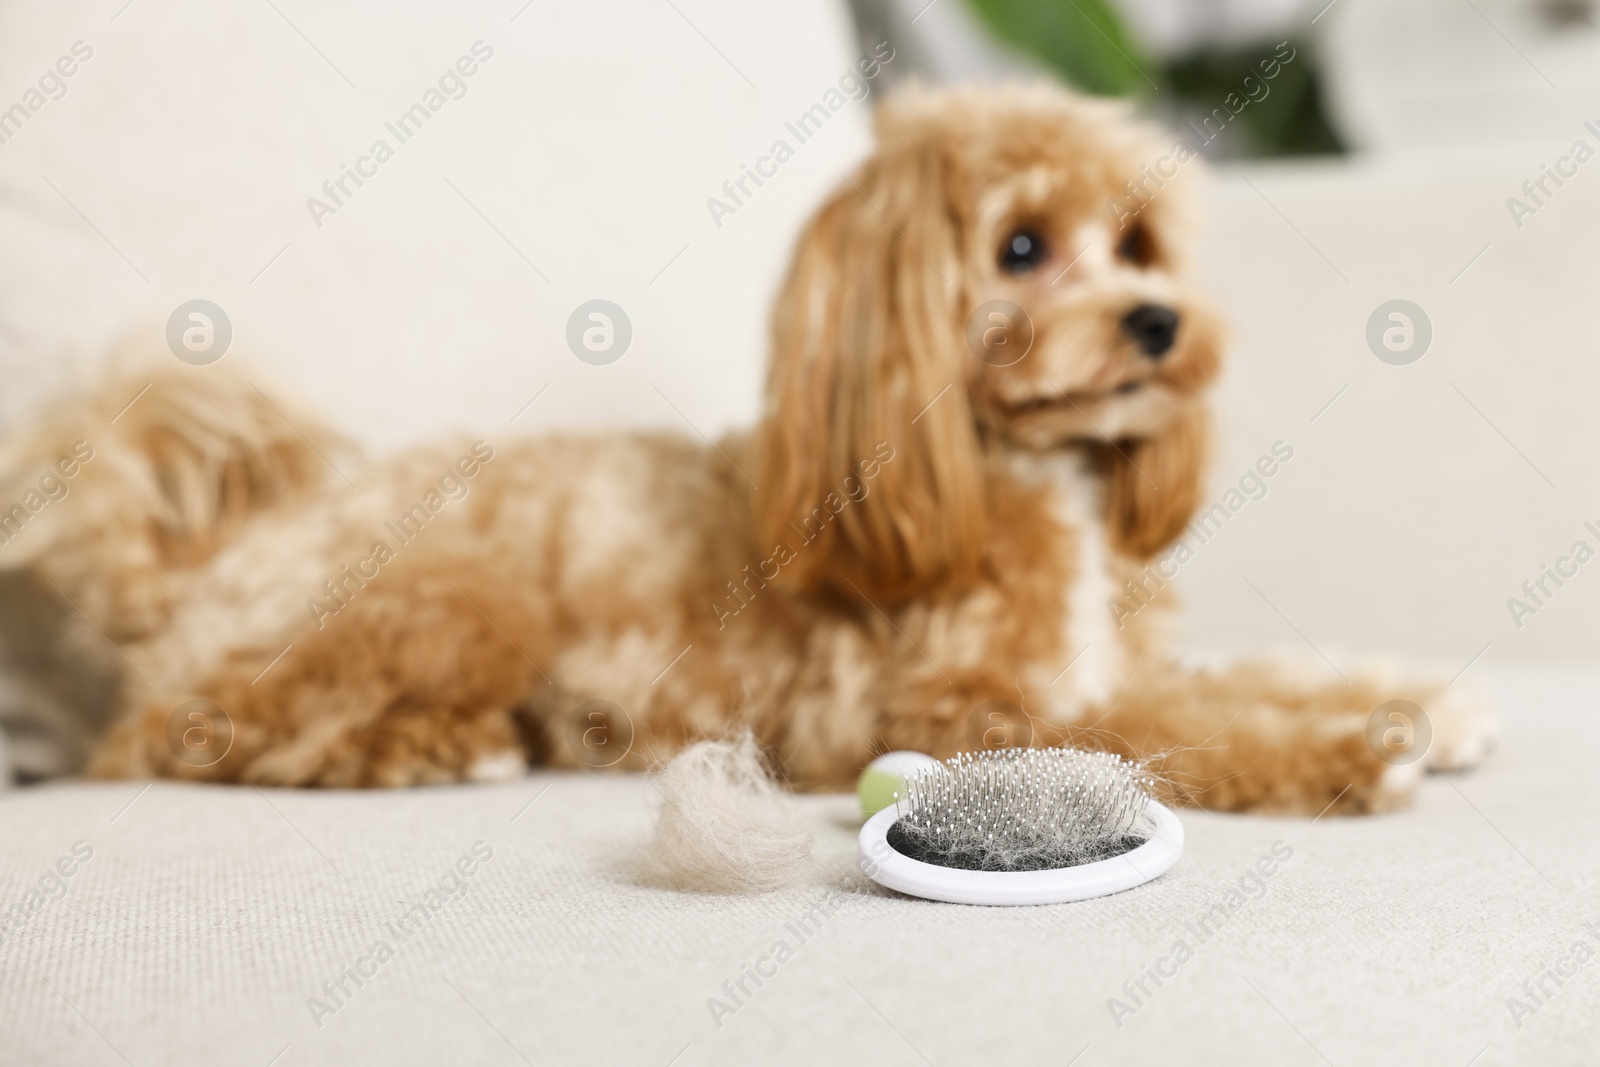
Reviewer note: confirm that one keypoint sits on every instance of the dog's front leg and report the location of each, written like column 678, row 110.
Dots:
column 1277, row 737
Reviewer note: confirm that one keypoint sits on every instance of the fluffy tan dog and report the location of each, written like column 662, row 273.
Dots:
column 914, row 549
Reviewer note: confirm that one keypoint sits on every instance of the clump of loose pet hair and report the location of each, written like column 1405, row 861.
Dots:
column 725, row 826
column 1024, row 810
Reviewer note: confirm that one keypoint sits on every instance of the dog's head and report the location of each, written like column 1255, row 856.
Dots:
column 1008, row 271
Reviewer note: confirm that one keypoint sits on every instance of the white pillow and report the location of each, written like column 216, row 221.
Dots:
column 574, row 163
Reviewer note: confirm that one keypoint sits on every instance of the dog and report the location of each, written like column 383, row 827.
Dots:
column 985, row 413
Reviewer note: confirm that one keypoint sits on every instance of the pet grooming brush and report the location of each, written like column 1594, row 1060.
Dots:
column 1021, row 826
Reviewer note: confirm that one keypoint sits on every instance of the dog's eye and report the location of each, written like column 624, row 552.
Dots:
column 1023, row 251
column 1136, row 247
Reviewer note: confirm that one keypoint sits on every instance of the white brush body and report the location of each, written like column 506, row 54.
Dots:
column 1062, row 886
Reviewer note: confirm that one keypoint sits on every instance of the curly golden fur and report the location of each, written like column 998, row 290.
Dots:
column 913, row 549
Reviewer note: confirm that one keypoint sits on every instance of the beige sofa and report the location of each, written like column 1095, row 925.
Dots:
column 166, row 924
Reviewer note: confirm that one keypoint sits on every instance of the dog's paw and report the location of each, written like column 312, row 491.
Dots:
column 1461, row 722
column 499, row 767
column 1465, row 728
column 1395, row 787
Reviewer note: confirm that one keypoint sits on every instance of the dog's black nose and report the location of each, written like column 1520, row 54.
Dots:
column 1152, row 327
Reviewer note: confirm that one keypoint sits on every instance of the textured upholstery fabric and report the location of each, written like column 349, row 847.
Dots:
column 207, row 918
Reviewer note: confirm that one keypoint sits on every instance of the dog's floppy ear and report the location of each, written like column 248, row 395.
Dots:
column 868, row 456
column 1153, row 484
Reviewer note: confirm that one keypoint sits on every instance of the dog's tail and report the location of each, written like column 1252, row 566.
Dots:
column 117, row 494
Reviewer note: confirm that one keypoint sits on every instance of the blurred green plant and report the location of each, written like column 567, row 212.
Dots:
column 1087, row 45
column 1289, row 121
column 1082, row 40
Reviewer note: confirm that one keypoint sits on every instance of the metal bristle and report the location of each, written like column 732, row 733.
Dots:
column 1024, row 810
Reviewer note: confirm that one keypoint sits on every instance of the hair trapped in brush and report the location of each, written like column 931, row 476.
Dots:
column 1024, row 810
column 725, row 826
